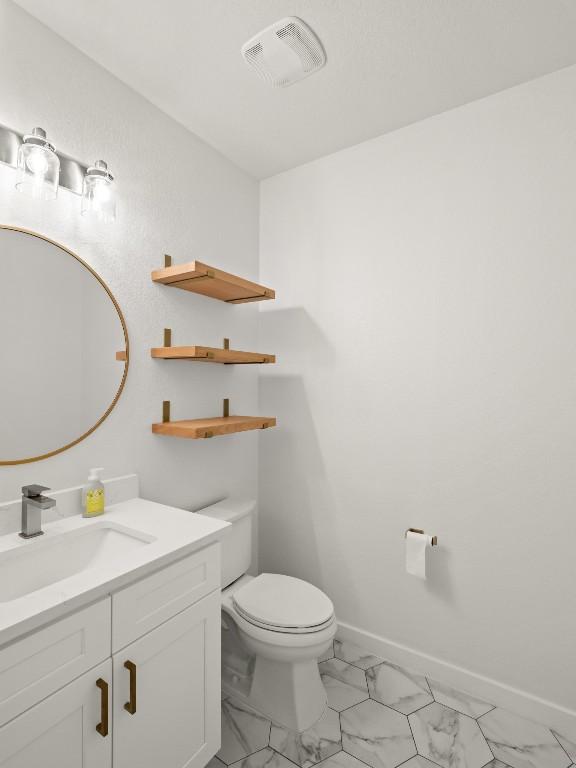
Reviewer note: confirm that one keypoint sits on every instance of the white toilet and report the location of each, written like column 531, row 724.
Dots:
column 274, row 628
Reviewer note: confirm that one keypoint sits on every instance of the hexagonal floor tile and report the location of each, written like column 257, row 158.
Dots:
column 328, row 654
column 377, row 735
column 496, row 764
column 355, row 655
column 449, row 738
column 568, row 746
column 397, row 688
column 420, row 762
column 312, row 746
column 215, row 763
column 522, row 743
column 244, row 731
column 341, row 760
column 461, row 702
column 345, row 685
column 266, row 758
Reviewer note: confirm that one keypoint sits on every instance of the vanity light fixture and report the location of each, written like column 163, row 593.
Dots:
column 99, row 193
column 38, row 167
column 42, row 170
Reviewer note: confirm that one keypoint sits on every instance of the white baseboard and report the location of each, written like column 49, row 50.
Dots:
column 514, row 700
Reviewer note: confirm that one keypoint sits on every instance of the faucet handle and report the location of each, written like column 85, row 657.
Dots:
column 31, row 491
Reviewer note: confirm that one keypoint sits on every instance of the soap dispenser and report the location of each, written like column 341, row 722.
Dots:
column 93, row 494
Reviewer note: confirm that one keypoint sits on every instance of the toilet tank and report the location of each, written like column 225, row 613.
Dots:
column 236, row 540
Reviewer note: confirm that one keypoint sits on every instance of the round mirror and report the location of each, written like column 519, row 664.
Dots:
column 64, row 348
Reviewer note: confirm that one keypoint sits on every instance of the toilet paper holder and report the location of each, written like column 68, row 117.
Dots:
column 419, row 530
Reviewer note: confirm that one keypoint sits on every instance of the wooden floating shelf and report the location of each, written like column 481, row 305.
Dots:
column 201, row 278
column 211, row 355
column 196, row 429
column 225, row 355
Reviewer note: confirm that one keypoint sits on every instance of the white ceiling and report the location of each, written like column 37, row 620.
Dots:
column 390, row 63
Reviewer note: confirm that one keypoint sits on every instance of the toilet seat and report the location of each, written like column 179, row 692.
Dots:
column 279, row 603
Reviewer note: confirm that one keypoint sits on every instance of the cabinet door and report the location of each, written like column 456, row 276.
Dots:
column 60, row 732
column 44, row 661
column 171, row 717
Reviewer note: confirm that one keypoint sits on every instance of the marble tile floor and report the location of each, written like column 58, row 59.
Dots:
column 383, row 716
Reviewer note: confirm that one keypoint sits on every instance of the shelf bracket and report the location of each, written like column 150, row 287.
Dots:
column 166, row 412
column 246, row 299
column 226, row 408
column 210, row 275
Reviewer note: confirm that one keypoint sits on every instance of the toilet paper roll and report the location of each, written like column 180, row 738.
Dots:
column 417, row 546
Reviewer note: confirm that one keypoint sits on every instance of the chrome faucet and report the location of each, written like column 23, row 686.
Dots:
column 32, row 505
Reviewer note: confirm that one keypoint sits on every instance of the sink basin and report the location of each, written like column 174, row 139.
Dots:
column 50, row 559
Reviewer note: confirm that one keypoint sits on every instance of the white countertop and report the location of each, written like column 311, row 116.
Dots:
column 172, row 534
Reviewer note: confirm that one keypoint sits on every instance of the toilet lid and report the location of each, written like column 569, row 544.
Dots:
column 278, row 601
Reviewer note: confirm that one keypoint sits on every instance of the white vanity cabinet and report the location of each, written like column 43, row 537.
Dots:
column 60, row 732
column 132, row 680
column 170, row 718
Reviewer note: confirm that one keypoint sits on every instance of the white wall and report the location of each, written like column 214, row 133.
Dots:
column 177, row 196
column 425, row 331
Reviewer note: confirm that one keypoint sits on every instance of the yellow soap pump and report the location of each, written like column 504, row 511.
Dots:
column 93, row 494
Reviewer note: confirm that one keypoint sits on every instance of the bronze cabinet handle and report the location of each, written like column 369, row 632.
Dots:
column 130, row 706
column 102, row 726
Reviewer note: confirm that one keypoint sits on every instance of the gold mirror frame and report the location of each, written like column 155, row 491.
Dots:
column 127, row 351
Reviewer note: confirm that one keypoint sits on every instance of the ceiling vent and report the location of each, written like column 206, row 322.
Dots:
column 285, row 52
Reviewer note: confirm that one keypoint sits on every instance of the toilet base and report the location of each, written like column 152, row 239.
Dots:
column 290, row 694
column 275, row 673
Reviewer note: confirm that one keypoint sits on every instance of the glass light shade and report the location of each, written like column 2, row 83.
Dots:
column 38, row 167
column 99, row 193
